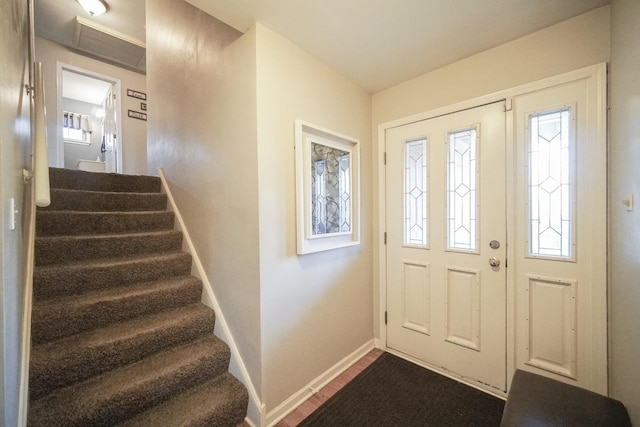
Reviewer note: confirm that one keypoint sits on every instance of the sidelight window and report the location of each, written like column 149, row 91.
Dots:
column 550, row 184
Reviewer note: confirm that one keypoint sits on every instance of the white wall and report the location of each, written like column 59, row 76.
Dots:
column 315, row 309
column 572, row 44
column 14, row 156
column 134, row 132
column 202, row 132
column 624, row 255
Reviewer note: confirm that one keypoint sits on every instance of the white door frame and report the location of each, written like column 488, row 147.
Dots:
column 598, row 74
column 60, row 66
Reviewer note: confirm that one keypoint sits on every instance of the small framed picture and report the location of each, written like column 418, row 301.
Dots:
column 135, row 94
column 137, row 115
column 143, row 106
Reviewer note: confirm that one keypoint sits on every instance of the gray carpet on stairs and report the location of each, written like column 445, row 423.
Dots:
column 119, row 335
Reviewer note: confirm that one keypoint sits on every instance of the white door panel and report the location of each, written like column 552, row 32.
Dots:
column 445, row 203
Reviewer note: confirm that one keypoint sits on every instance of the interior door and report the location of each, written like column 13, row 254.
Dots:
column 446, row 243
column 110, row 131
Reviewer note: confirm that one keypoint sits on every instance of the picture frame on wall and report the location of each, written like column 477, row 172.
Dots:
column 327, row 189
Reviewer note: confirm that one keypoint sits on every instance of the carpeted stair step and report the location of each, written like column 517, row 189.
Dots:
column 57, row 223
column 221, row 401
column 121, row 394
column 53, row 319
column 74, row 359
column 109, row 182
column 63, row 199
column 59, row 249
column 87, row 276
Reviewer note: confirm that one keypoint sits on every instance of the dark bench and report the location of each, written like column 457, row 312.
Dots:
column 539, row 401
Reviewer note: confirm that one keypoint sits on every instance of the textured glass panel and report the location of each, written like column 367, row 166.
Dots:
column 416, row 232
column 550, row 187
column 330, row 190
column 344, row 182
column 462, row 190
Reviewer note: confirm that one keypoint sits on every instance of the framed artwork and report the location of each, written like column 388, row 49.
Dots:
column 327, row 189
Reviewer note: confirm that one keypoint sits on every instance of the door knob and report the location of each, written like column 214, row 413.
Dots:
column 494, row 262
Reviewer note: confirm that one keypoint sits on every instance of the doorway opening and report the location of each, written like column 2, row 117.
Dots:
column 89, row 136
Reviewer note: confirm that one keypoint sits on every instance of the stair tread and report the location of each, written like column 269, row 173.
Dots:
column 55, row 318
column 111, row 334
column 69, row 222
column 201, row 405
column 111, row 262
column 141, row 288
column 131, row 388
column 107, row 193
column 105, row 236
column 81, row 277
column 53, row 250
column 75, row 179
column 72, row 359
column 109, row 213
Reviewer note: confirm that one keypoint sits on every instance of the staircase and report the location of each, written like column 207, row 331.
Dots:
column 119, row 335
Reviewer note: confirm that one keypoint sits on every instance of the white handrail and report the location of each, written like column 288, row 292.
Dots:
column 41, row 161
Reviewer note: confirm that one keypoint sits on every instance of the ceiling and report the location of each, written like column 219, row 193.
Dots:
column 374, row 43
column 82, row 88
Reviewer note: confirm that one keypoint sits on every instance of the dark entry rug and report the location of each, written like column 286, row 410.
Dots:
column 395, row 392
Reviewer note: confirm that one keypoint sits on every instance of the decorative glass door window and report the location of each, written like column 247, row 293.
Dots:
column 416, row 231
column 550, row 184
column 462, row 195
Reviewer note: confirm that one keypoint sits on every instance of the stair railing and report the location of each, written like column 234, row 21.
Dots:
column 37, row 193
column 41, row 158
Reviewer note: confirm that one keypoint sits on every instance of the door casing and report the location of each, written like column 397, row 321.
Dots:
column 116, row 88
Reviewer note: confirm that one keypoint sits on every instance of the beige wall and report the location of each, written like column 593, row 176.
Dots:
column 134, row 132
column 624, row 252
column 315, row 309
column 15, row 149
column 202, row 132
column 572, row 44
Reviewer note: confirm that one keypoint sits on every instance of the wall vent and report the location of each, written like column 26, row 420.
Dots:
column 108, row 44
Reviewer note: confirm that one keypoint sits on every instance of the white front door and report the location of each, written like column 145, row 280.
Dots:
column 446, row 243
column 459, row 200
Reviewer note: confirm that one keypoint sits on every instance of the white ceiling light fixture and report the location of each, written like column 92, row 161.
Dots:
column 93, row 7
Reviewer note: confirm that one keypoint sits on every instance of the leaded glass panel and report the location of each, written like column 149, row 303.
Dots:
column 462, row 203
column 330, row 190
column 550, row 187
column 416, row 231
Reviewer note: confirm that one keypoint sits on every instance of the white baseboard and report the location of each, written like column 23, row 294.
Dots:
column 256, row 410
column 282, row 410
